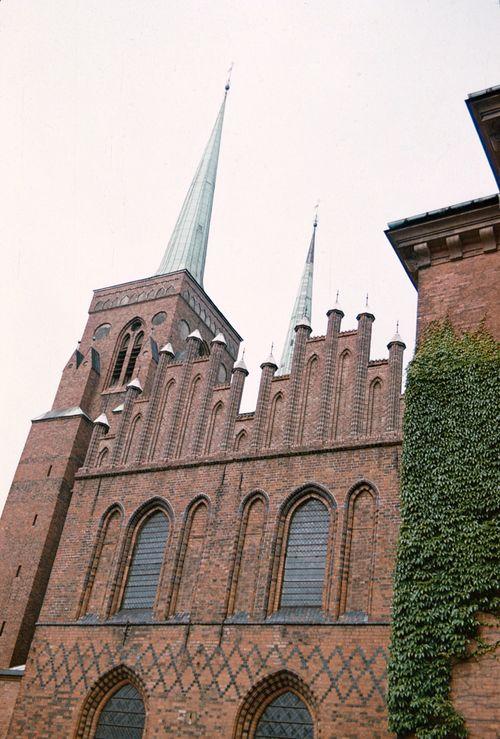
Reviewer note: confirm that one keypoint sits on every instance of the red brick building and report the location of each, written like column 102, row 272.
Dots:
column 178, row 568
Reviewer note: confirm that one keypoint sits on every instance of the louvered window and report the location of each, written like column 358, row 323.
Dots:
column 287, row 716
column 305, row 559
column 133, row 357
column 123, row 716
column 147, row 558
column 120, row 359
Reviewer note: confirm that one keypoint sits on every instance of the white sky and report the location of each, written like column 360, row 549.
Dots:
column 106, row 105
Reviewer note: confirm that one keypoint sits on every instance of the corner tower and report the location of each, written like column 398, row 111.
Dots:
column 128, row 324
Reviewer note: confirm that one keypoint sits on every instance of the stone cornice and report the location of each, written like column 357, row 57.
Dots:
column 447, row 235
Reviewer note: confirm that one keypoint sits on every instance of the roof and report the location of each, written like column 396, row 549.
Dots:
column 448, row 210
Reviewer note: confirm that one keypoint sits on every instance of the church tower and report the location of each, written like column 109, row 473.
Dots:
column 123, row 343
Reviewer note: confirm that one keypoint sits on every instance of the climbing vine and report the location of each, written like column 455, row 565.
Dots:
column 447, row 568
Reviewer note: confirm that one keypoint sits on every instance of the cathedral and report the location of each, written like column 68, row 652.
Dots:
column 173, row 567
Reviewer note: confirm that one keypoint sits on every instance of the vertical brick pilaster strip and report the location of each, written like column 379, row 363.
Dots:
column 235, row 393
column 363, row 341
column 268, row 368
column 218, row 345
column 335, row 317
column 302, row 332
column 396, row 350
column 101, row 427
column 133, row 390
column 193, row 342
column 143, row 451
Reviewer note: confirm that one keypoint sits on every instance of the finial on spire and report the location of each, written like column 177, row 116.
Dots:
column 366, row 301
column 337, row 296
column 316, row 208
column 228, row 80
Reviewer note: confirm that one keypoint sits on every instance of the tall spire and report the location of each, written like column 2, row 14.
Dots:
column 302, row 307
column 187, row 248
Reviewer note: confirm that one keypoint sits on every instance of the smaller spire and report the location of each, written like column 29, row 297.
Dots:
column 241, row 364
column 303, row 305
column 367, row 311
column 270, row 360
column 195, row 335
column 396, row 339
column 219, row 339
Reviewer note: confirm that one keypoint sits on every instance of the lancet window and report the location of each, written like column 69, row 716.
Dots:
column 146, row 562
column 129, row 348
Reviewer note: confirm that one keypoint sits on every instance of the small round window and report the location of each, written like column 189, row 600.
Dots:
column 159, row 318
column 184, row 330
column 102, row 331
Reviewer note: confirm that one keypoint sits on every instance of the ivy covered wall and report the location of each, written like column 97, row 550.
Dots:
column 448, row 566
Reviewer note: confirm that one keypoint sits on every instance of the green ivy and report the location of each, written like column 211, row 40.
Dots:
column 447, row 567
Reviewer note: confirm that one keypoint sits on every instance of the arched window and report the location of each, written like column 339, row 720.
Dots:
column 275, row 425
column 190, row 558
column 374, row 414
column 307, row 413
column 305, row 559
column 213, row 428
column 122, row 715
column 280, row 705
column 145, row 564
column 136, row 348
column 241, row 441
column 184, row 329
column 342, row 396
column 248, row 556
column 102, row 563
column 129, row 348
column 120, row 359
column 357, row 579
column 286, row 716
column 103, row 457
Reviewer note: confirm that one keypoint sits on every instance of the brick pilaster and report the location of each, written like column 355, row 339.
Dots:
column 237, row 384
column 268, row 368
column 302, row 333
column 396, row 349
column 218, row 345
column 193, row 341
column 166, row 356
column 133, row 390
column 335, row 316
column 363, row 341
column 101, row 428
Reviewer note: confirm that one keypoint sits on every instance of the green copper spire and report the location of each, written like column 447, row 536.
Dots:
column 187, row 248
column 302, row 306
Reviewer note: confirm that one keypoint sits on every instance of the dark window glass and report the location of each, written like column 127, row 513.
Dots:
column 305, row 560
column 133, row 357
column 286, row 716
column 222, row 374
column 184, row 330
column 147, row 558
column 123, row 716
column 102, row 331
column 120, row 359
column 159, row 318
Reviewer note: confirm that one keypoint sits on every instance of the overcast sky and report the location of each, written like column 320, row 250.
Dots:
column 106, row 106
